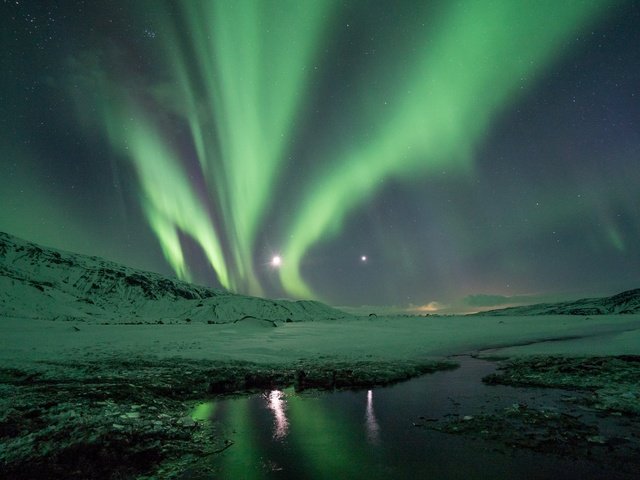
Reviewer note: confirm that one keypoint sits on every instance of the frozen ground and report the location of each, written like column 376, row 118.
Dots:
column 27, row 340
column 101, row 365
column 83, row 400
column 64, row 307
column 57, row 305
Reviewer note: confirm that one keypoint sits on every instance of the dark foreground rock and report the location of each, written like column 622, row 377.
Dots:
column 614, row 382
column 131, row 419
column 521, row 426
column 597, row 418
column 555, row 433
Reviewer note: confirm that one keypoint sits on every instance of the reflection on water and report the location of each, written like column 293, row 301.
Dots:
column 282, row 434
column 277, row 405
column 204, row 411
column 373, row 429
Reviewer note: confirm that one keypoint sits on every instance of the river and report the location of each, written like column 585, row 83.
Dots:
column 380, row 433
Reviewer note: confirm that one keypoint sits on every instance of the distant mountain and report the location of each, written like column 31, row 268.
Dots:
column 625, row 302
column 45, row 283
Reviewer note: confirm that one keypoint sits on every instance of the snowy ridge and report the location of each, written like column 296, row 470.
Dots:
column 623, row 303
column 45, row 283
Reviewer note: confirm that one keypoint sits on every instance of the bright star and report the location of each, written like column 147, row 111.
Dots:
column 363, row 258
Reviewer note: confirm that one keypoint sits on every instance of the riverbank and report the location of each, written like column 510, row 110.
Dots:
column 580, row 408
column 131, row 417
column 115, row 401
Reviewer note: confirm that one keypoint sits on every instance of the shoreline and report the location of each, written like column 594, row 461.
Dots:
column 97, row 411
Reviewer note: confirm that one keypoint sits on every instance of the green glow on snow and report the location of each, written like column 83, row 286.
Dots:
column 480, row 57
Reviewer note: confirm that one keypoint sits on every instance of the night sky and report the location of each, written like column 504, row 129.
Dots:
column 429, row 156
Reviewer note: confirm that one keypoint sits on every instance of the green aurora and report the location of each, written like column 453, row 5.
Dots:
column 240, row 107
column 252, row 129
column 240, row 86
column 479, row 58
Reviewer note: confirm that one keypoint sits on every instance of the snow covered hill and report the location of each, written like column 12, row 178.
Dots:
column 625, row 302
column 44, row 283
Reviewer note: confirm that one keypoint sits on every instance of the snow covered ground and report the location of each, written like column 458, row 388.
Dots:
column 24, row 340
column 86, row 400
column 57, row 305
column 101, row 364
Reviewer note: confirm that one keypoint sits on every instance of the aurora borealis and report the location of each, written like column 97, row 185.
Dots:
column 460, row 148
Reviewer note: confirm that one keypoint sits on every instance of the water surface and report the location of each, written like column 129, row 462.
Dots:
column 375, row 433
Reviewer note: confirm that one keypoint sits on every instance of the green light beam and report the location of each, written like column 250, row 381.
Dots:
column 242, row 78
column 167, row 197
column 478, row 60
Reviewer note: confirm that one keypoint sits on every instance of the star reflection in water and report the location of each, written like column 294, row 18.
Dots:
column 277, row 405
column 373, row 429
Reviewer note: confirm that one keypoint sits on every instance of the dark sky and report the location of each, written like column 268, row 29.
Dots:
column 441, row 157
